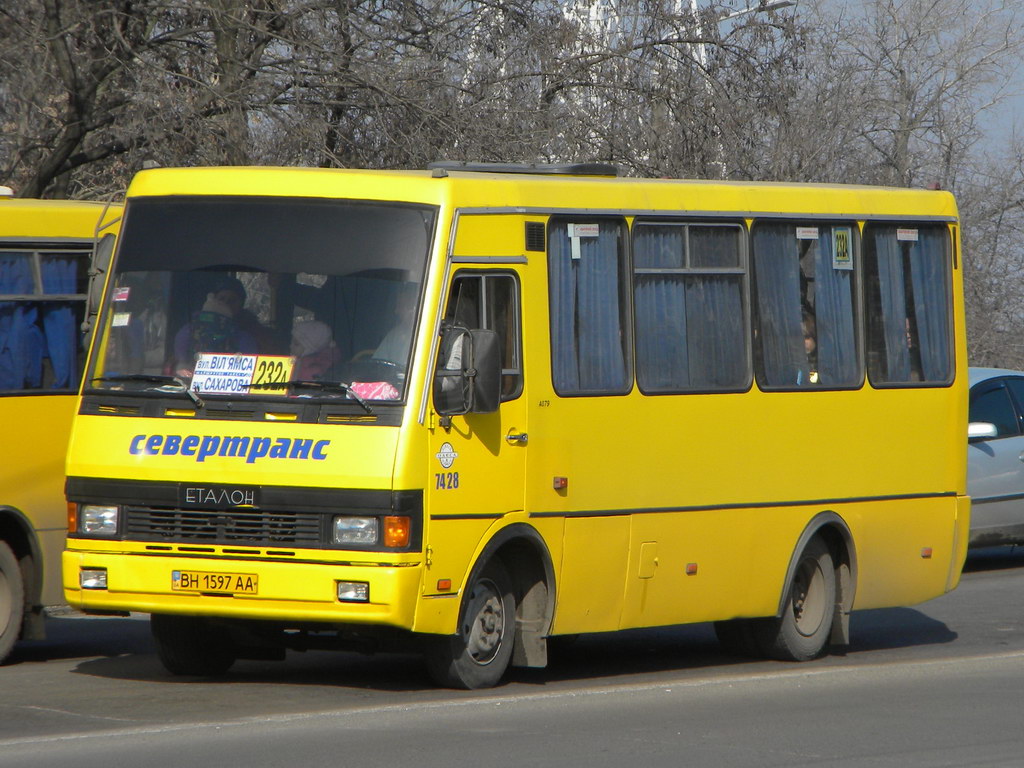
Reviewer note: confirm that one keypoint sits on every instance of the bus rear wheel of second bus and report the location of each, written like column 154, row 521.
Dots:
column 479, row 654
column 12, row 600
column 192, row 645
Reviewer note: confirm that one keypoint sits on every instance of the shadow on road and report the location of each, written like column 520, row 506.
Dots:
column 125, row 651
column 888, row 628
column 75, row 636
column 994, row 559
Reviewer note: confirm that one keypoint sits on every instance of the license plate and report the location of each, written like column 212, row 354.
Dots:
column 223, row 583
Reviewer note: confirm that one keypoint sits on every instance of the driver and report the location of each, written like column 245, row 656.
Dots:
column 394, row 347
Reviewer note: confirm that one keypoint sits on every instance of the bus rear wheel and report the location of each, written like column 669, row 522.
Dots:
column 192, row 645
column 802, row 631
column 12, row 600
column 479, row 654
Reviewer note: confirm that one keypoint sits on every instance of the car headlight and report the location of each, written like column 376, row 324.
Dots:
column 98, row 520
column 355, row 530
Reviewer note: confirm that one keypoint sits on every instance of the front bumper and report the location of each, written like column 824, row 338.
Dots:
column 299, row 591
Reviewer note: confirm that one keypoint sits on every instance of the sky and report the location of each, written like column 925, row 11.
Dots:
column 1000, row 122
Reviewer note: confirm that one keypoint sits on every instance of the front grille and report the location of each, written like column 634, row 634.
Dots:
column 236, row 526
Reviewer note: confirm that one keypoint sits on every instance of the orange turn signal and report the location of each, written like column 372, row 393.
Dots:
column 396, row 531
column 72, row 517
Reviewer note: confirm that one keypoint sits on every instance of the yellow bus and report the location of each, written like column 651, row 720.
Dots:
column 46, row 255
column 479, row 406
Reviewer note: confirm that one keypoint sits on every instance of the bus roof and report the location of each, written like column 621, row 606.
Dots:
column 22, row 218
column 549, row 193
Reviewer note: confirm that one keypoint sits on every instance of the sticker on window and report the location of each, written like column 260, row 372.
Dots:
column 223, row 374
column 121, row 319
column 806, row 233
column 842, row 248
column 576, row 231
column 122, row 294
column 906, row 235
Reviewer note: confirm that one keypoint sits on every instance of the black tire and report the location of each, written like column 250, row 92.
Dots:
column 192, row 645
column 478, row 656
column 12, row 600
column 802, row 631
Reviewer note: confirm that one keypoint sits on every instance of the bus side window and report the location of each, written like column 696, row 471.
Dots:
column 42, row 305
column 805, row 300
column 907, row 273
column 589, row 301
column 688, row 295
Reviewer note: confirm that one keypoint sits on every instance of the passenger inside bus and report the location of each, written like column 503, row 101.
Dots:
column 314, row 350
column 810, row 347
column 394, row 347
column 221, row 325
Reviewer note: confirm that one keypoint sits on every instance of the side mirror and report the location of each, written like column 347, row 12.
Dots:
column 468, row 374
column 981, row 430
column 486, row 383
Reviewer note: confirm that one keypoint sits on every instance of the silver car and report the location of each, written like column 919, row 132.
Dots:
column 995, row 457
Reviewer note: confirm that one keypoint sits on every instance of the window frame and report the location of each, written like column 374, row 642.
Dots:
column 871, row 326
column 857, row 303
column 485, row 274
column 742, row 270
column 557, row 224
column 37, row 251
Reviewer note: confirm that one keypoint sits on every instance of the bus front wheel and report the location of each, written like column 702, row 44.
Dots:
column 12, row 600
column 802, row 631
column 191, row 645
column 478, row 655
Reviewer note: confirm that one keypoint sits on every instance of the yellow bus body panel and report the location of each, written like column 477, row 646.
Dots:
column 677, row 508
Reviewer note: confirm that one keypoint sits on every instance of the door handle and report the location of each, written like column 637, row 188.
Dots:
column 520, row 438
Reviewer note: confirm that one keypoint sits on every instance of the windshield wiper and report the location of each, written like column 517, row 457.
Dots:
column 323, row 386
column 180, row 386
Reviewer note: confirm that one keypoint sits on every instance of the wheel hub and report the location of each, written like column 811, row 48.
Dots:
column 486, row 623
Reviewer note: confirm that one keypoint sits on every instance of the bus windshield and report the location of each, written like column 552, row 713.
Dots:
column 264, row 297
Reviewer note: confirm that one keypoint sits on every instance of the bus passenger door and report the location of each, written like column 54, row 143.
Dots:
column 477, row 460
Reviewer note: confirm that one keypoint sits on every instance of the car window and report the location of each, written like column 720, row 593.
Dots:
column 1016, row 387
column 994, row 407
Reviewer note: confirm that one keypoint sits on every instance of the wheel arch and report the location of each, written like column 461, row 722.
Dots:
column 525, row 555
column 839, row 539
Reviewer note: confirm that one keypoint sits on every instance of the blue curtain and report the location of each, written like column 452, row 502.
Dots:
column 929, row 257
column 60, row 276
column 892, row 299
column 20, row 345
column 663, row 361
column 833, row 308
column 588, row 332
column 714, row 317
column 777, row 277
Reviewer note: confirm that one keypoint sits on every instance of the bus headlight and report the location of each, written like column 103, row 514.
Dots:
column 97, row 520
column 355, row 530
column 93, row 578
column 353, row 592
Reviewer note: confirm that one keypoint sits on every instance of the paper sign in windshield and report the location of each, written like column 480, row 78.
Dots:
column 220, row 374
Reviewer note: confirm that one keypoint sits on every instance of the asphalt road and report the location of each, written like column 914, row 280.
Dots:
column 941, row 684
